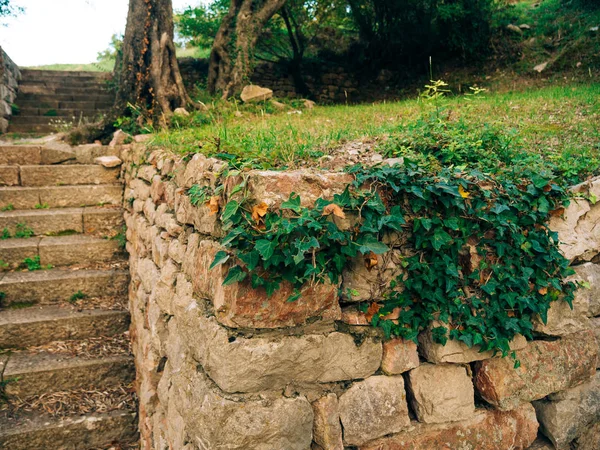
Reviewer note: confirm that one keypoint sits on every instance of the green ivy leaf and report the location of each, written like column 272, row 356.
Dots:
column 440, row 238
column 220, row 258
column 371, row 244
column 230, row 210
column 265, row 248
column 235, row 275
column 294, row 297
column 293, row 203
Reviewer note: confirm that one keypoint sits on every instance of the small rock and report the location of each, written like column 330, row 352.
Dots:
column 393, row 162
column 578, row 64
column 514, row 28
column 278, row 105
column 541, row 67
column 254, row 94
column 295, row 112
column 181, row 112
column 108, row 161
column 524, row 26
column 142, row 138
column 594, row 29
column 119, row 138
column 309, row 104
column 238, row 114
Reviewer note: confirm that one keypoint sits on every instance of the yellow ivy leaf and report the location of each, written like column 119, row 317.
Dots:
column 463, row 193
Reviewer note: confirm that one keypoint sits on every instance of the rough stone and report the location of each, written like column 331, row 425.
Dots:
column 240, row 305
column 327, row 429
column 546, row 367
column 589, row 295
column 119, row 138
column 590, row 439
column 373, row 408
column 596, row 329
column 255, row 94
column 181, row 112
column 579, row 236
column 562, row 320
column 457, row 351
column 216, row 422
column 399, row 356
column 9, row 176
column 274, row 188
column 361, row 284
column 487, row 430
column 441, row 393
column 108, row 161
column 262, row 363
column 564, row 416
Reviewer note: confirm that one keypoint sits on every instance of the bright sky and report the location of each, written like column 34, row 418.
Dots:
column 65, row 31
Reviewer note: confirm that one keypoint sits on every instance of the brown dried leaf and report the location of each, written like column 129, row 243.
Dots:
column 213, row 205
column 370, row 261
column 259, row 211
column 557, row 212
column 543, row 291
column 335, row 210
column 372, row 310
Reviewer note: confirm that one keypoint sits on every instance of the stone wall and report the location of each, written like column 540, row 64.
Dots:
column 9, row 82
column 230, row 368
column 326, row 83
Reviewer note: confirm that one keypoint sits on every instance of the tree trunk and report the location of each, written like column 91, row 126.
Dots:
column 231, row 55
column 149, row 76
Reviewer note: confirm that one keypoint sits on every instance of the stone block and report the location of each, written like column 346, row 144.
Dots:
column 577, row 231
column 562, row 320
column 240, row 305
column 255, row 94
column 566, row 415
column 361, row 284
column 457, row 351
column 9, row 176
column 274, row 188
column 271, row 363
column 327, row 429
column 546, row 367
column 373, row 408
column 441, row 393
column 399, row 356
column 218, row 422
column 590, row 439
column 486, row 430
column 588, row 296
column 596, row 329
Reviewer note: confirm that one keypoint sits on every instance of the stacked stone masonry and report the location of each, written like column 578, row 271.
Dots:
column 9, row 83
column 230, row 368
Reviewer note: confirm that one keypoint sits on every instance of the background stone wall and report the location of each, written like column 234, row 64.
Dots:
column 230, row 368
column 9, row 82
column 326, row 83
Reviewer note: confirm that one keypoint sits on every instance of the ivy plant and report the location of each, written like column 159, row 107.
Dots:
column 482, row 261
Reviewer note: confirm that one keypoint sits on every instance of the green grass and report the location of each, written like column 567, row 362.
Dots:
column 556, row 125
column 559, row 34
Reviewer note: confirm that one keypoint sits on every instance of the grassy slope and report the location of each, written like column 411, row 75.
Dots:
column 558, row 123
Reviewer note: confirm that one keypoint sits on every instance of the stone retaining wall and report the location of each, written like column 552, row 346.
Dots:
column 326, row 84
column 9, row 83
column 230, row 368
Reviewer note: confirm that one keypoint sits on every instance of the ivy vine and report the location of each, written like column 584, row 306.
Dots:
column 482, row 260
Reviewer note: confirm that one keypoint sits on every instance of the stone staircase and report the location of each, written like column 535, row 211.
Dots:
column 49, row 99
column 65, row 365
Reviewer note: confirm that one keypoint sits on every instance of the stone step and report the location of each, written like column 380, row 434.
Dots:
column 32, row 130
column 57, row 112
column 100, row 430
column 41, row 99
column 60, row 196
column 64, row 82
column 28, row 74
column 28, row 374
column 64, row 105
column 47, row 120
column 28, row 327
column 90, row 220
column 20, row 154
column 57, row 286
column 60, row 251
column 66, row 89
column 60, row 175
